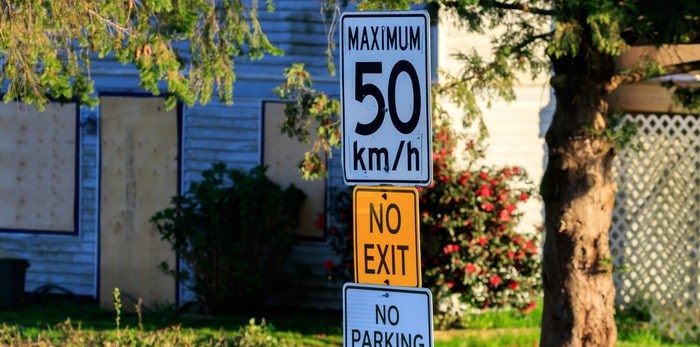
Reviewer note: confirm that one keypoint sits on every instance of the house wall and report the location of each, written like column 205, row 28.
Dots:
column 215, row 132
column 517, row 128
column 232, row 134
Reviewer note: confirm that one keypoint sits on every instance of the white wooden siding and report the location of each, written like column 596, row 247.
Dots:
column 232, row 134
column 516, row 129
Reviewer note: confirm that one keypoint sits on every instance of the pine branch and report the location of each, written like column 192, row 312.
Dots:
column 507, row 6
column 684, row 67
column 530, row 40
column 518, row 7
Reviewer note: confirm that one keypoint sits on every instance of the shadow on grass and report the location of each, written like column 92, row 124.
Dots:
column 86, row 312
column 304, row 327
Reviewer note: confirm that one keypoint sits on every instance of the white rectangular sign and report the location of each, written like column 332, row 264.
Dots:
column 376, row 315
column 385, row 98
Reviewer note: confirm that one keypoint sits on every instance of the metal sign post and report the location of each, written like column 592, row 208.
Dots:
column 387, row 140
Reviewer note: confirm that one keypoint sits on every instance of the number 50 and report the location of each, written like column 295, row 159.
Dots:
column 362, row 90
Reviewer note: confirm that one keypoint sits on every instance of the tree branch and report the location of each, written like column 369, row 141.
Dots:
column 636, row 76
column 530, row 40
column 518, row 7
column 683, row 67
column 507, row 6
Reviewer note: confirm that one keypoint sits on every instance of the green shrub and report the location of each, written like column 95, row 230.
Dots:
column 234, row 230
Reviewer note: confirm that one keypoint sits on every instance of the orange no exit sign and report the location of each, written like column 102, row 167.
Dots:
column 387, row 244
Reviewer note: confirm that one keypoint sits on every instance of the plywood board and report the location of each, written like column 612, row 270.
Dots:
column 645, row 97
column 665, row 55
column 139, row 142
column 650, row 96
column 38, row 167
column 282, row 156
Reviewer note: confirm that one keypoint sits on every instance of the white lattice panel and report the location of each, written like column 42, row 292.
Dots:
column 655, row 233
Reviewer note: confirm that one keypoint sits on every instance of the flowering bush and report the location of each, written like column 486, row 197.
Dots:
column 473, row 258
column 470, row 250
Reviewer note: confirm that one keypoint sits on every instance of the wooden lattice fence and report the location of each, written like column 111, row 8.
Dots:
column 655, row 234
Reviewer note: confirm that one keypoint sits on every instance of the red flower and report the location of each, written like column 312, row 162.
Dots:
column 495, row 280
column 510, row 208
column 516, row 170
column 520, row 255
column 484, row 191
column 495, row 182
column 523, row 196
column 507, row 172
column 511, row 255
column 530, row 307
column 463, row 179
column 502, row 196
column 328, row 264
column 518, row 240
column 513, row 285
column 470, row 268
column 451, row 248
column 488, row 207
column 450, row 284
column 528, row 244
column 504, row 216
column 482, row 241
column 484, row 175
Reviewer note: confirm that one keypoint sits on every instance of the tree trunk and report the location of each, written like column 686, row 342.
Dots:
column 579, row 194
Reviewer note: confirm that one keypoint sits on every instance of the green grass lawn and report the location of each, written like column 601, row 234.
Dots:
column 69, row 322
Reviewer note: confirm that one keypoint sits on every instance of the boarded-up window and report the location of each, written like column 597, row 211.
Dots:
column 282, row 155
column 138, row 177
column 38, row 167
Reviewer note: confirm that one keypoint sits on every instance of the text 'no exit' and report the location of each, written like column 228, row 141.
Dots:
column 387, row 249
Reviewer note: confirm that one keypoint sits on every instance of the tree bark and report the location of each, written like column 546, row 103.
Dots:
column 579, row 194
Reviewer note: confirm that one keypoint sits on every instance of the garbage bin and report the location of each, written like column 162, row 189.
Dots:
column 12, row 274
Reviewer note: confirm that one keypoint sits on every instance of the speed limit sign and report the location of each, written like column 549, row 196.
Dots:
column 385, row 98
